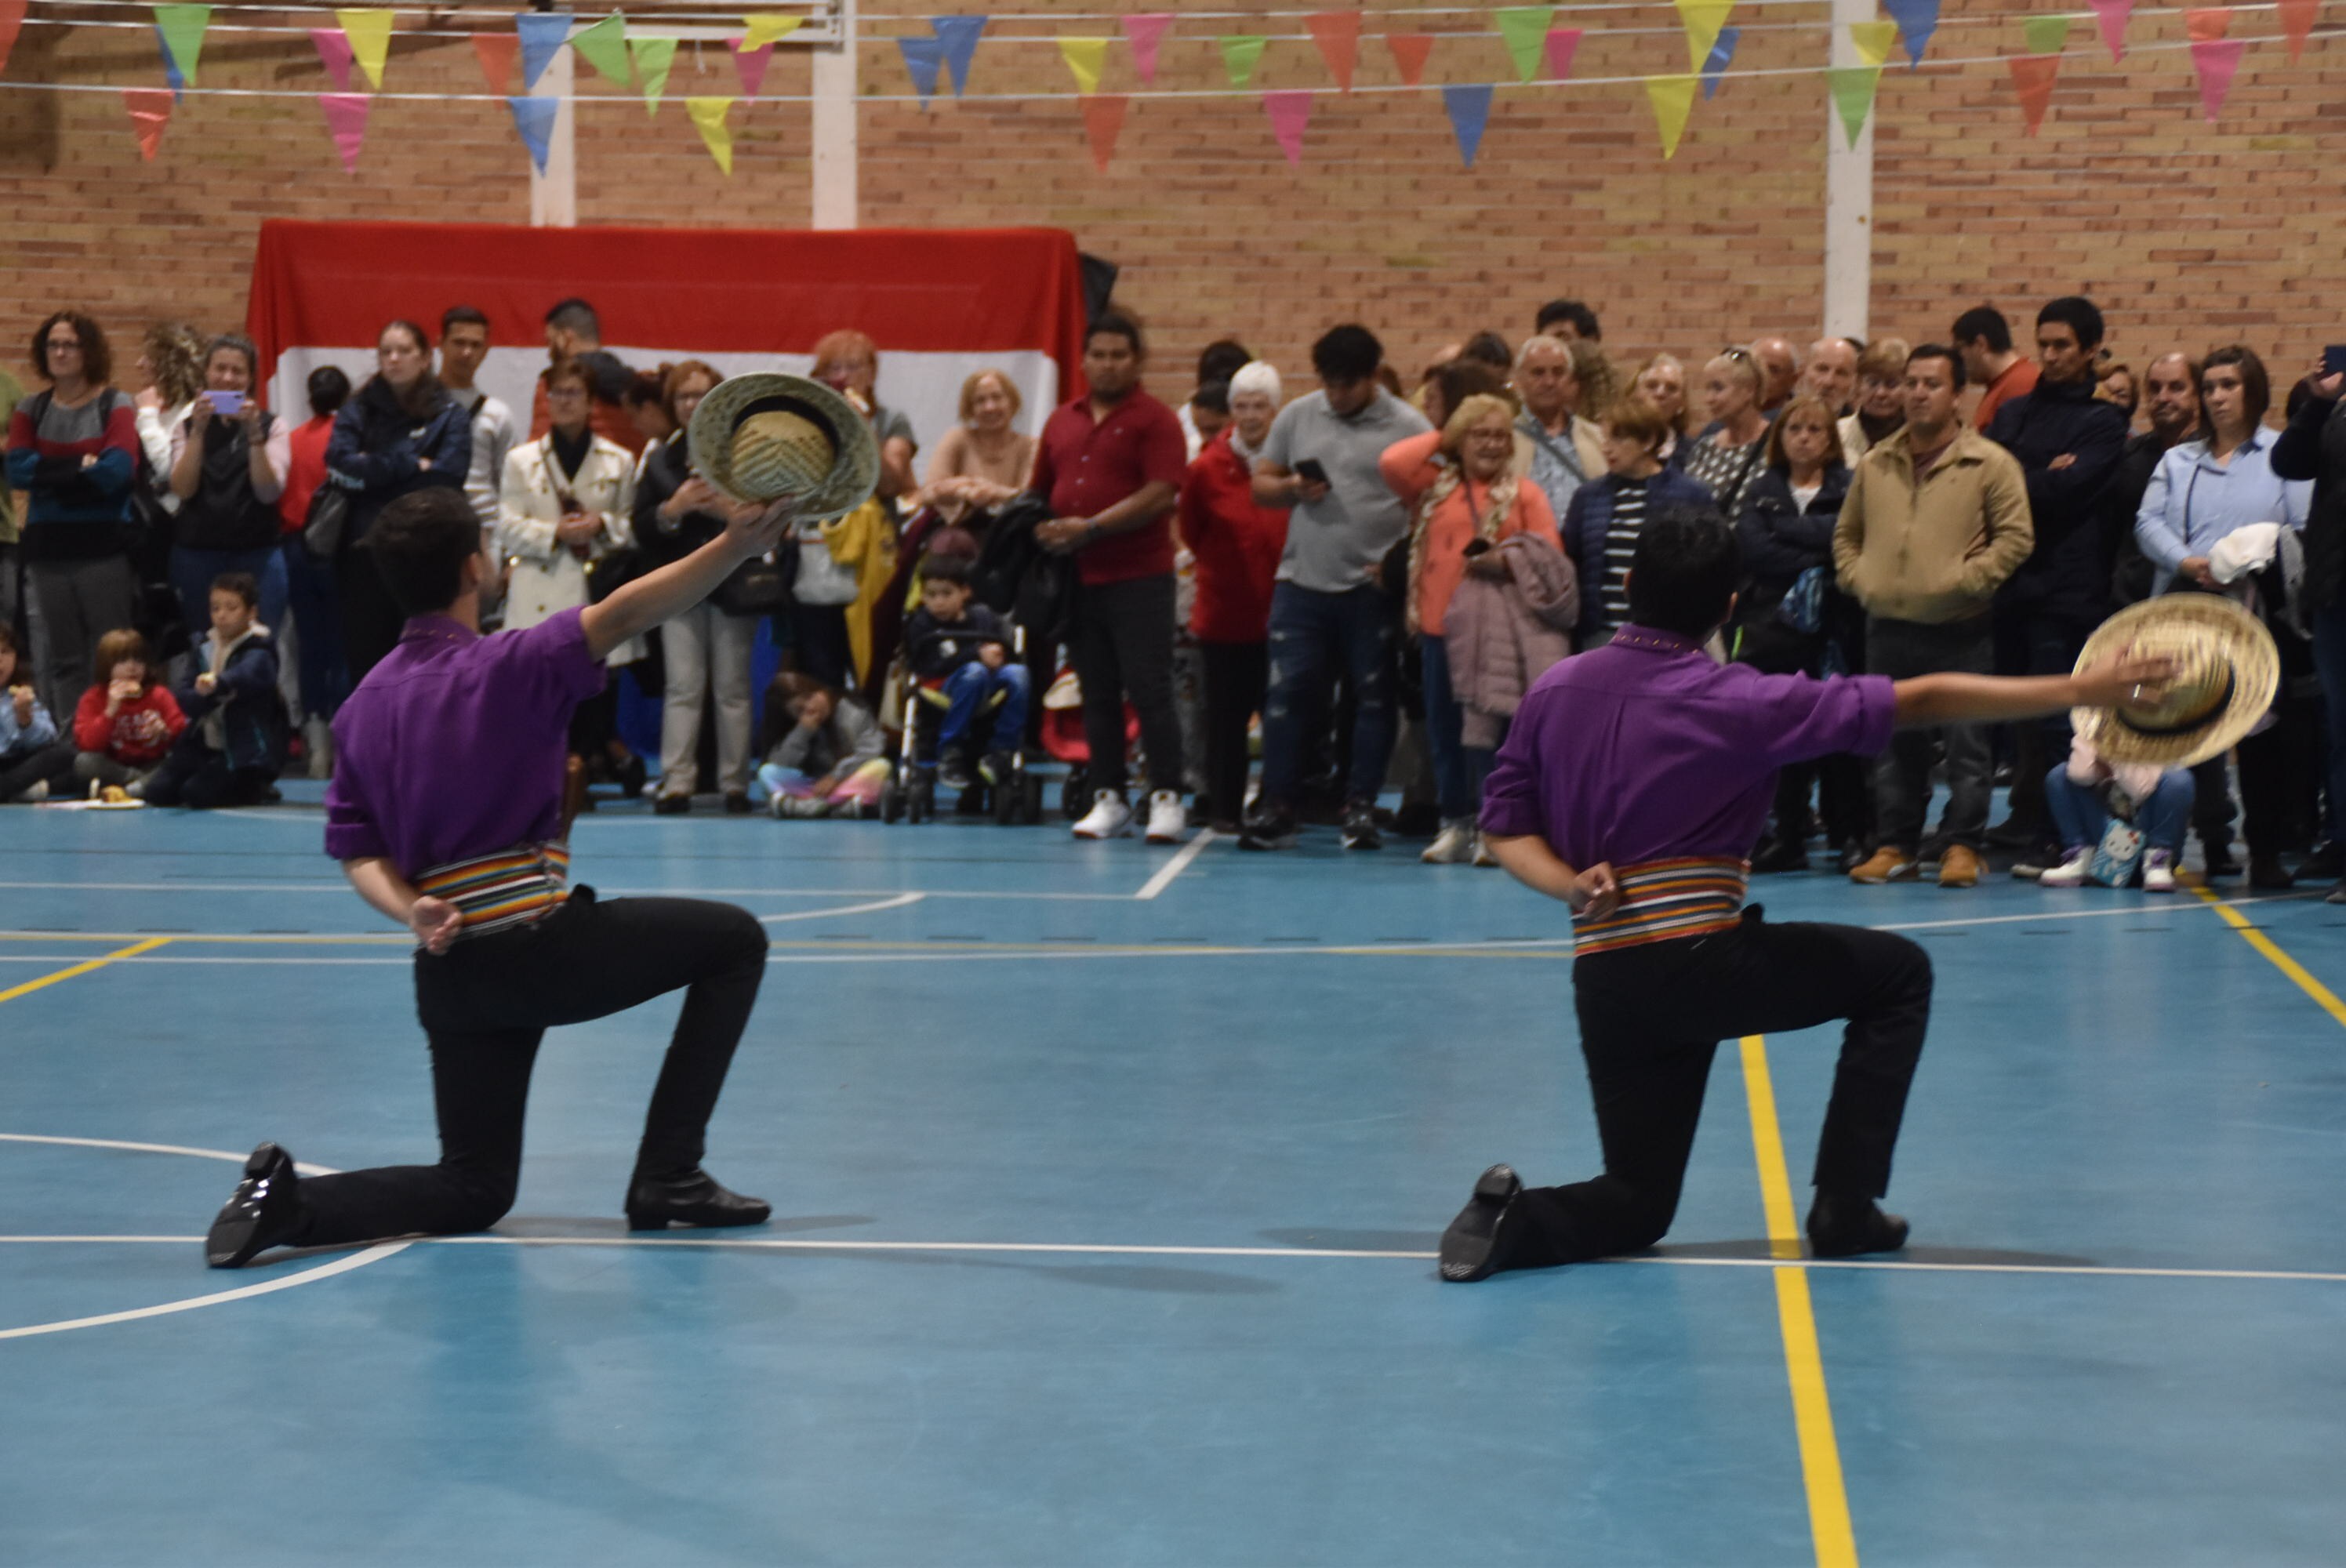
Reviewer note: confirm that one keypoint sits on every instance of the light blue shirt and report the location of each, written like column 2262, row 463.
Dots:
column 2193, row 501
column 17, row 740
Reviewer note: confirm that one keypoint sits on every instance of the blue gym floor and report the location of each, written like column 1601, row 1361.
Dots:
column 1107, row 1179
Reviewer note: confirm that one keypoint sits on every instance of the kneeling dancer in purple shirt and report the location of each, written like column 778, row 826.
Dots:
column 445, row 810
column 1633, row 786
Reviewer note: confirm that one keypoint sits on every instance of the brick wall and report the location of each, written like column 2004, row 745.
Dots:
column 2185, row 232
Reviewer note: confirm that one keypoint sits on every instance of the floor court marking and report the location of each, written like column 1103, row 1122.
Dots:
column 2323, row 997
column 902, row 901
column 1176, row 866
column 1820, row 1474
column 142, row 945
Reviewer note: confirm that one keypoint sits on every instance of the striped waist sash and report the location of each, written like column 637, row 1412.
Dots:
column 1662, row 901
column 515, row 887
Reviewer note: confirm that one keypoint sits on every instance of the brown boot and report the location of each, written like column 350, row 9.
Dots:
column 1886, row 864
column 1959, row 868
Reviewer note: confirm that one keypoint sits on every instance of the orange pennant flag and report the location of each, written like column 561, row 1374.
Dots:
column 1103, row 123
column 1410, row 51
column 2296, row 23
column 1338, row 34
column 497, row 51
column 12, row 17
column 150, row 111
column 2031, row 76
column 2208, row 24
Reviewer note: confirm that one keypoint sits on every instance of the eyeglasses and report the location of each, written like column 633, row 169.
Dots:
column 64, row 342
column 1734, row 353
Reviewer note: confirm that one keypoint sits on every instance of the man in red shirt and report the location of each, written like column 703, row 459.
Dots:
column 1111, row 464
column 1983, row 338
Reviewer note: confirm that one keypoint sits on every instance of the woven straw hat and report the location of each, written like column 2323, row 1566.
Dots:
column 2226, row 670
column 762, row 436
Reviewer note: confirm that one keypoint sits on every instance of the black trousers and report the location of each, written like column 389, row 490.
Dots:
column 486, row 1004
column 1652, row 1017
column 1236, row 676
column 48, row 765
column 1122, row 644
column 195, row 776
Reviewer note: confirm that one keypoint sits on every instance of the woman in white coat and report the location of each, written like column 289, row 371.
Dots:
column 564, row 509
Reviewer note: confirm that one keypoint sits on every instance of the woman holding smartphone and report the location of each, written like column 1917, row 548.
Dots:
column 229, row 462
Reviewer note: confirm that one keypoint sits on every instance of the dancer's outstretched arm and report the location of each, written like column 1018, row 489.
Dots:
column 751, row 530
column 1949, row 698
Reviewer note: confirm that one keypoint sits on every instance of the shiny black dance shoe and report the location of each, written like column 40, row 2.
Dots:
column 1845, row 1227
column 1478, row 1245
column 692, row 1197
column 265, row 1211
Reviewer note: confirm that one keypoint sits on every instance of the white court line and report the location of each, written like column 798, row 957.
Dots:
column 902, row 901
column 1176, row 866
column 194, row 887
column 2094, row 914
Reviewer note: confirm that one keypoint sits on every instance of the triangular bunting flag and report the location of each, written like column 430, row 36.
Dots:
column 170, row 66
column 346, row 117
column 1103, row 123
column 2296, row 23
column 542, row 34
column 182, row 27
column 369, row 33
column 765, row 30
column 1470, row 111
column 1917, row 20
column 1714, row 64
column 1563, row 44
column 1338, row 34
column 1852, row 94
column 958, row 37
column 1673, row 100
column 534, row 118
column 2045, row 34
column 1144, row 32
column 2110, row 18
column 1871, row 40
column 2208, row 24
column 333, row 48
column 1410, row 53
column 1523, row 28
column 2032, row 77
column 1241, row 53
column 924, row 59
column 1085, row 57
column 604, row 46
column 654, row 58
column 1702, row 20
column 708, row 119
column 750, row 65
column 2216, row 59
column 497, row 51
column 150, row 111
column 1289, row 112
column 12, row 17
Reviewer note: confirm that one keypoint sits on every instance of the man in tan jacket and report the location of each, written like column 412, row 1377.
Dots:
column 1936, row 519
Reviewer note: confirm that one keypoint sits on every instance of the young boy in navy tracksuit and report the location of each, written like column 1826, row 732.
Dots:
column 234, row 744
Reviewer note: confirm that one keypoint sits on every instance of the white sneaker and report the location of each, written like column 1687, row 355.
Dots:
column 2070, row 872
column 1167, row 818
column 1109, row 817
column 36, row 794
column 318, row 746
column 1453, row 846
column 1482, row 856
column 2158, row 872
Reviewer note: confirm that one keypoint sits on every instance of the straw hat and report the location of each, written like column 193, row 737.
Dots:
column 762, row 436
column 2226, row 670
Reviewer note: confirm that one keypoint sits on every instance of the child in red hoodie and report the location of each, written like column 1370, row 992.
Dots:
column 126, row 724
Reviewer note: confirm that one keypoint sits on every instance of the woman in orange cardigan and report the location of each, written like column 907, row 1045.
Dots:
column 1465, row 493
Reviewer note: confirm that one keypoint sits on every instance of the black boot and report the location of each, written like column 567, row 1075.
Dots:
column 1478, row 1243
column 265, row 1211
column 691, row 1197
column 1844, row 1225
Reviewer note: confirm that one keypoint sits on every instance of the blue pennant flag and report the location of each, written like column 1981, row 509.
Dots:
column 534, row 118
column 1470, row 111
column 959, row 37
column 1917, row 20
column 171, row 72
column 1714, row 64
column 542, row 33
column 922, row 57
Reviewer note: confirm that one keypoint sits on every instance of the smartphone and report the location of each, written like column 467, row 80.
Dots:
column 1309, row 468
column 2333, row 359
column 227, row 404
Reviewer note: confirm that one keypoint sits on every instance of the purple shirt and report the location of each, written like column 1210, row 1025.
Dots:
column 1645, row 749
column 455, row 745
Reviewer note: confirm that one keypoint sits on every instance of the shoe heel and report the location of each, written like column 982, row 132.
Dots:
column 638, row 1220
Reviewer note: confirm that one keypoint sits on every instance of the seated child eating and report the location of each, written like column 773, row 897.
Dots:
column 230, row 754
column 965, row 645
column 831, row 762
column 2113, row 814
column 31, row 755
column 125, row 724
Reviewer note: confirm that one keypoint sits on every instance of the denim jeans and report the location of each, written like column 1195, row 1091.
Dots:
column 1312, row 636
column 317, row 610
column 968, row 689
column 2079, row 815
column 1901, row 649
column 192, row 572
column 1459, row 770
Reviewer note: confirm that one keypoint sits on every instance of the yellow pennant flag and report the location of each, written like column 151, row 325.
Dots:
column 1874, row 40
column 369, row 33
column 765, row 30
column 1673, row 99
column 709, row 117
column 1703, row 19
column 1085, row 57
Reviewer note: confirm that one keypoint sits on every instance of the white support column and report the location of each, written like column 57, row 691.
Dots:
column 1849, row 196
column 833, row 128
column 554, row 194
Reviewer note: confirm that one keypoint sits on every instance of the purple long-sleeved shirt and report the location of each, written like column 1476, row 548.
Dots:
column 1646, row 751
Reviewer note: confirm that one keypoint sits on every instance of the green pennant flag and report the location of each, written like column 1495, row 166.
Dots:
column 1852, row 94
column 604, row 46
column 2046, row 35
column 183, row 33
column 1525, row 28
column 653, row 59
column 1241, row 52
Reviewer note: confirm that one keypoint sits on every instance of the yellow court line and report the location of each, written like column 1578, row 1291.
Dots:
column 133, row 951
column 1828, row 1523
column 2327, row 998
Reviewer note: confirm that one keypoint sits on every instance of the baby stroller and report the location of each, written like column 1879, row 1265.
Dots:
column 1063, row 741
column 1014, row 795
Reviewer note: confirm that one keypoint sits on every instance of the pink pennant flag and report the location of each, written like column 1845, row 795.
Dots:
column 346, row 117
column 1144, row 32
column 2216, row 59
column 334, row 54
column 1563, row 42
column 751, row 66
column 2111, row 16
column 1289, row 112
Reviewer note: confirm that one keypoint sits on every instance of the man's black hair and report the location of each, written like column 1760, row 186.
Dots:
column 1222, row 360
column 1583, row 319
column 1489, row 349
column 1116, row 324
column 2079, row 314
column 575, row 316
column 1685, row 572
column 1941, row 352
column 328, row 388
column 1214, row 397
column 421, row 542
column 935, row 568
column 473, row 316
column 1984, row 323
column 242, row 585
column 1347, row 353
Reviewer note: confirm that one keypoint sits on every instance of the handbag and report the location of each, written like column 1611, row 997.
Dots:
column 327, row 519
column 759, row 586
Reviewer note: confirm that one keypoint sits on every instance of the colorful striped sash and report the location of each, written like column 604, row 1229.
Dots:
column 1662, row 901
column 515, row 887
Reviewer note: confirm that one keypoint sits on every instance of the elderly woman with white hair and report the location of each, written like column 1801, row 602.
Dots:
column 1236, row 545
column 1567, row 447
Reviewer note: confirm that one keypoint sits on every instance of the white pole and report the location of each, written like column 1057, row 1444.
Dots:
column 834, row 128
column 1849, row 196
column 554, row 194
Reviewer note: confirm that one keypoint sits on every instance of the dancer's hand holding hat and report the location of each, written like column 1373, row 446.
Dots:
column 2128, row 677
column 755, row 527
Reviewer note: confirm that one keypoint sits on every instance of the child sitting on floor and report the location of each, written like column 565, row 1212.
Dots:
column 2113, row 814
column 125, row 724
column 967, row 645
column 230, row 754
column 31, row 755
column 831, row 761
